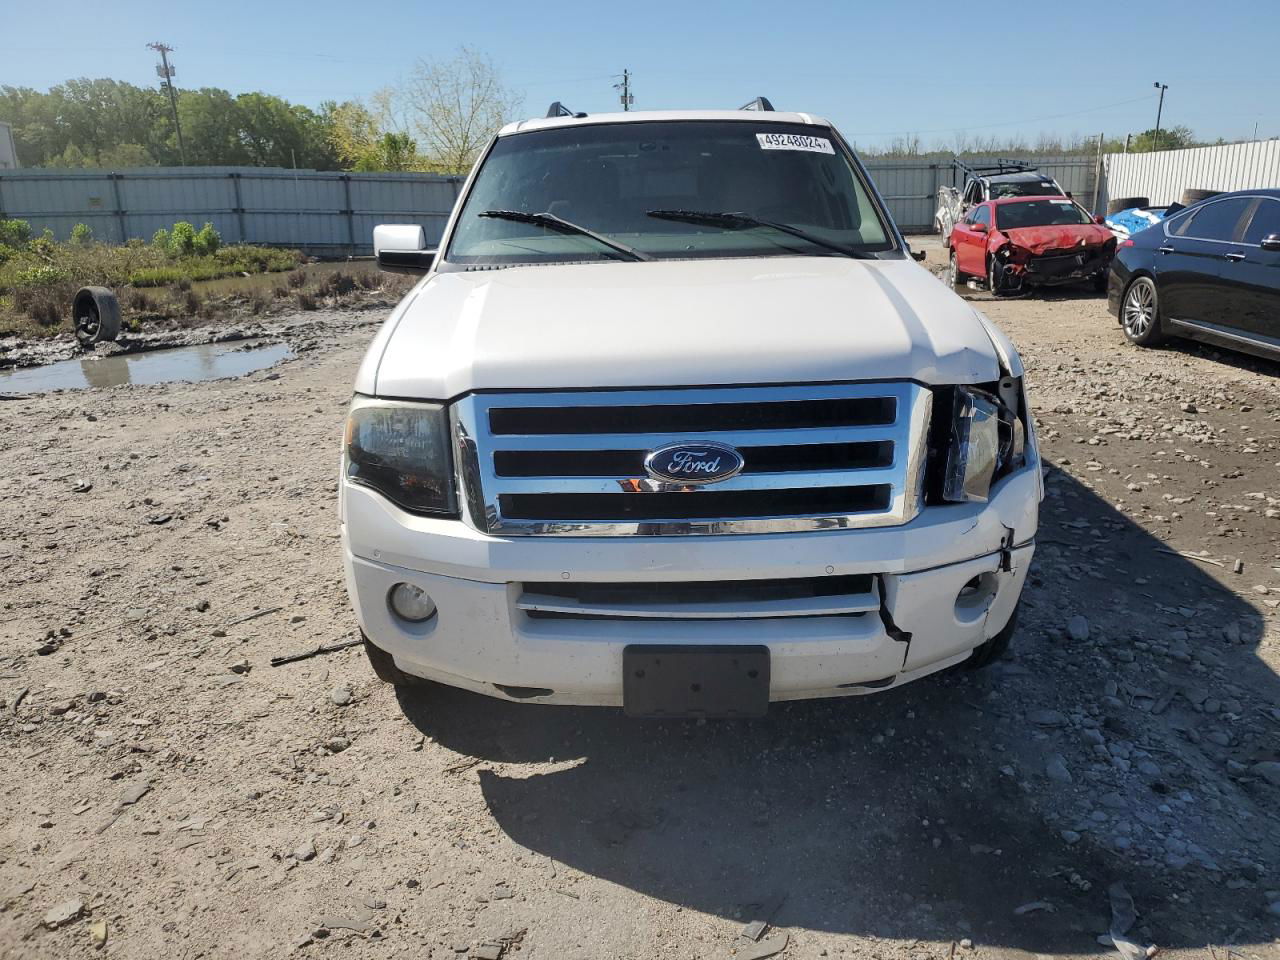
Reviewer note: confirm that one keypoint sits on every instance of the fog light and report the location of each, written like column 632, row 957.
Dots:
column 410, row 603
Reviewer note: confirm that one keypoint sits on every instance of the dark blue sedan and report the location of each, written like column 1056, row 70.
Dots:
column 1210, row 272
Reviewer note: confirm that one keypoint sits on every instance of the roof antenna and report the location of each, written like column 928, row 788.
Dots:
column 759, row 103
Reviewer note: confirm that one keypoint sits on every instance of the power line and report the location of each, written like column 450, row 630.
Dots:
column 167, row 72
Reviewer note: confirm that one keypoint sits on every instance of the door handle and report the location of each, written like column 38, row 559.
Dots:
column 1165, row 249
column 1235, row 256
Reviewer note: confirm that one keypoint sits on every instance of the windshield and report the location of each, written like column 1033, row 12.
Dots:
column 1024, row 188
column 1039, row 213
column 609, row 178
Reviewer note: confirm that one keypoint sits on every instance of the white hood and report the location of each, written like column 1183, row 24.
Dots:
column 677, row 323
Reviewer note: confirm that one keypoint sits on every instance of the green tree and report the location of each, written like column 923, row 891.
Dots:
column 1173, row 138
column 107, row 123
column 211, row 127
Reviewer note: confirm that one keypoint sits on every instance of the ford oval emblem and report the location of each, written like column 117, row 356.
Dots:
column 694, row 463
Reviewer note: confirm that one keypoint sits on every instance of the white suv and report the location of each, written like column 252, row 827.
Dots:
column 673, row 422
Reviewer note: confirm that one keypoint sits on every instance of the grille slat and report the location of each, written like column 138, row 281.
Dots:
column 702, row 505
column 692, row 417
column 572, row 464
column 630, row 463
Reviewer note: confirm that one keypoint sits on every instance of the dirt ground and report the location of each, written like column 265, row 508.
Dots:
column 163, row 787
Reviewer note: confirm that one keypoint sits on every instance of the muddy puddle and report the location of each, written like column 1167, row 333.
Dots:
column 206, row 361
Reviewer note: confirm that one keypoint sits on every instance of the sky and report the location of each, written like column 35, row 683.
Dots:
column 877, row 70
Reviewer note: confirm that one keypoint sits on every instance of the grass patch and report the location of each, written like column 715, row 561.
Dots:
column 39, row 276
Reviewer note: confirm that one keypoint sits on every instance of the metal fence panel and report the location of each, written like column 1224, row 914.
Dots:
column 320, row 212
column 1162, row 176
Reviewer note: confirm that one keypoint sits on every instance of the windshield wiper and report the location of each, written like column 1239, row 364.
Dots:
column 742, row 221
column 552, row 222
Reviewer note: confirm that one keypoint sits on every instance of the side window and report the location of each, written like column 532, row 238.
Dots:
column 1176, row 224
column 973, row 193
column 982, row 215
column 1216, row 221
column 1265, row 222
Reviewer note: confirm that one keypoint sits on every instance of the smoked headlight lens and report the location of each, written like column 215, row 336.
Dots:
column 401, row 449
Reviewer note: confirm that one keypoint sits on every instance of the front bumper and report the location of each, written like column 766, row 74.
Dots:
column 483, row 641
column 1052, row 269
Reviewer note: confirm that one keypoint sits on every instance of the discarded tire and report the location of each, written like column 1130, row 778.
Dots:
column 1126, row 203
column 96, row 312
column 1195, row 196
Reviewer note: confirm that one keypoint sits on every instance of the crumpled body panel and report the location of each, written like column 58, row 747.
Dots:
column 1039, row 240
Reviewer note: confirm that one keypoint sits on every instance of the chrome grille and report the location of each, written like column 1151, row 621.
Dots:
column 824, row 456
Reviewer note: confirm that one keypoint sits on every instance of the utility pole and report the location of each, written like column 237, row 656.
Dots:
column 166, row 72
column 1162, row 87
column 625, row 86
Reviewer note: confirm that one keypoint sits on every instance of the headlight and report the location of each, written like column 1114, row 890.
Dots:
column 402, row 450
column 977, row 437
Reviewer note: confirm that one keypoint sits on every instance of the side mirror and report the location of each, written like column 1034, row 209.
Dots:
column 917, row 255
column 1271, row 242
column 402, row 248
column 1099, row 219
column 978, row 227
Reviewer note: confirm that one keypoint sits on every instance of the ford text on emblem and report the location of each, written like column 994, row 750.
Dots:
column 694, row 463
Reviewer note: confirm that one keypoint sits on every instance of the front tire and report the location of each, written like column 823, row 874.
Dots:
column 993, row 649
column 991, row 278
column 1140, row 313
column 954, row 276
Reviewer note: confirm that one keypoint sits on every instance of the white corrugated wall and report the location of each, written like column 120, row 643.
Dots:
column 1163, row 176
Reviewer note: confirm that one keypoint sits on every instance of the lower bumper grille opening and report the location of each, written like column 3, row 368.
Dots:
column 695, row 505
column 850, row 595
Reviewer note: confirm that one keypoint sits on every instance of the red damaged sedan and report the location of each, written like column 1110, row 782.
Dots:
column 1017, row 243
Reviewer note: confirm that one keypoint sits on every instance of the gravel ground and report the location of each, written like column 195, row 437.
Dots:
column 163, row 787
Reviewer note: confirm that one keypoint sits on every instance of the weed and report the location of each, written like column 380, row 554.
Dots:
column 306, row 301
column 207, row 241
column 182, row 239
column 296, row 279
column 15, row 233
column 140, row 302
column 337, row 284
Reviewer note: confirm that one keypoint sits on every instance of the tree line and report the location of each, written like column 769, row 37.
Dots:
column 436, row 120
column 1046, row 144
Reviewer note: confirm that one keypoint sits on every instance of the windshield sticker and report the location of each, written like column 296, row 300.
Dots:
column 793, row 141
column 1063, row 203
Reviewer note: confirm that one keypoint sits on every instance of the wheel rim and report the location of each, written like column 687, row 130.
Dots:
column 89, row 321
column 953, row 274
column 1139, row 309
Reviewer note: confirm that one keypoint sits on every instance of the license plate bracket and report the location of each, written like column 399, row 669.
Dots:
column 714, row 680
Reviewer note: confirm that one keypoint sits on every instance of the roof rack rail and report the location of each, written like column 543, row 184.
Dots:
column 1002, row 165
column 759, row 103
column 558, row 109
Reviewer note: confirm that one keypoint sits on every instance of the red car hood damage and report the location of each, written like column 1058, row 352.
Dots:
column 1038, row 240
